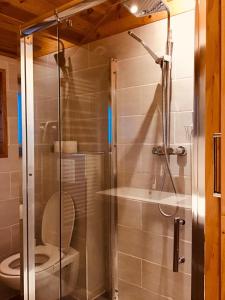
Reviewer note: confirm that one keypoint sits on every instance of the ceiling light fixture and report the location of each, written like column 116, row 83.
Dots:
column 134, row 9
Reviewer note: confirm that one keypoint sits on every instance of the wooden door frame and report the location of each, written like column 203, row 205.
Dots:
column 213, row 208
column 222, row 150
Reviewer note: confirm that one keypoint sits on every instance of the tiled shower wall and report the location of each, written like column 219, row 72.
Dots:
column 139, row 107
column 145, row 238
column 139, row 101
column 10, row 172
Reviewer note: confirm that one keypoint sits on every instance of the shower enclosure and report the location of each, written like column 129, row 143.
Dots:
column 110, row 138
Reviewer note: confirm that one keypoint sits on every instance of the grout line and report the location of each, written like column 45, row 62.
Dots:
column 146, row 290
column 150, row 233
column 150, row 262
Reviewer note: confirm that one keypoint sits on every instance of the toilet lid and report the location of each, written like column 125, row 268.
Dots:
column 51, row 221
column 45, row 258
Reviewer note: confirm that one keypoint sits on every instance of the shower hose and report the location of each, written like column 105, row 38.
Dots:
column 166, row 103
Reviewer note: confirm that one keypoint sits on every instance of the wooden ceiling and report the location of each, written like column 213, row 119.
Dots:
column 96, row 23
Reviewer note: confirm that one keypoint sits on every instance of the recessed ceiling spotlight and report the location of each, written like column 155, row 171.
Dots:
column 134, row 9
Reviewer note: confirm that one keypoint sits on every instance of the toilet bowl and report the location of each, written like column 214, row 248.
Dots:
column 48, row 257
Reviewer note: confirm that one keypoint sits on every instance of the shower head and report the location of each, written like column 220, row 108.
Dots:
column 60, row 58
column 142, row 8
column 149, row 50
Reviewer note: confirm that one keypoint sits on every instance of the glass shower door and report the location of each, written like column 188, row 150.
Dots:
column 86, row 137
column 103, row 203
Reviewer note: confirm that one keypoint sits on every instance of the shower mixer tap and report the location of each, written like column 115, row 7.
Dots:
column 179, row 151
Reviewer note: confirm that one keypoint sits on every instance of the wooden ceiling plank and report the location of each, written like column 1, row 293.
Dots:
column 16, row 12
column 39, row 19
column 36, row 7
column 9, row 23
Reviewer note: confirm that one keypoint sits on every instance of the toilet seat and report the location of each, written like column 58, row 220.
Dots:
column 50, row 253
column 55, row 252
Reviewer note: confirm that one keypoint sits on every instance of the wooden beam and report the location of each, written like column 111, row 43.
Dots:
column 9, row 23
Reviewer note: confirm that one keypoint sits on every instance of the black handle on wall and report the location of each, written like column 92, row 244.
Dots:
column 217, row 165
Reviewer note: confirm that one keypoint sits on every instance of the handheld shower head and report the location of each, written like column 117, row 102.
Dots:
column 142, row 8
column 153, row 55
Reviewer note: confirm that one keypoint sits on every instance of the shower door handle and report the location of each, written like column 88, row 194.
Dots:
column 176, row 244
column 217, row 165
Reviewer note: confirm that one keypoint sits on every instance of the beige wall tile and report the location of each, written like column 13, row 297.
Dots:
column 12, row 131
column 16, row 184
column 132, row 72
column 92, row 80
column 138, row 180
column 9, row 212
column 11, row 103
column 4, row 186
column 77, row 57
column 13, row 69
column 128, row 291
column 129, row 213
column 182, row 120
column 43, row 87
column 129, row 158
column 129, row 269
column 183, row 94
column 165, row 282
column 139, row 100
column 151, row 247
column 44, row 69
column 150, row 163
column 13, row 162
column 129, row 101
column 139, row 129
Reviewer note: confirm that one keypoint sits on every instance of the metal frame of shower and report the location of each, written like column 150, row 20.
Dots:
column 198, row 164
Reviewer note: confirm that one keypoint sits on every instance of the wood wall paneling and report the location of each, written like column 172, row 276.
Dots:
column 213, row 98
column 223, row 150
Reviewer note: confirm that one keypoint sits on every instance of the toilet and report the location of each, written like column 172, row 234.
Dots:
column 47, row 255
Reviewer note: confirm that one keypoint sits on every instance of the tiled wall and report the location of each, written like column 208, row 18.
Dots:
column 10, row 173
column 139, row 101
column 145, row 256
column 145, row 237
column 139, row 107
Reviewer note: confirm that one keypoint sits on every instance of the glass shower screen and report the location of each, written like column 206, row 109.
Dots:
column 102, row 219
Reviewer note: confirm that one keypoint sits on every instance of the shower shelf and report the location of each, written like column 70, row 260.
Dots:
column 136, row 194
